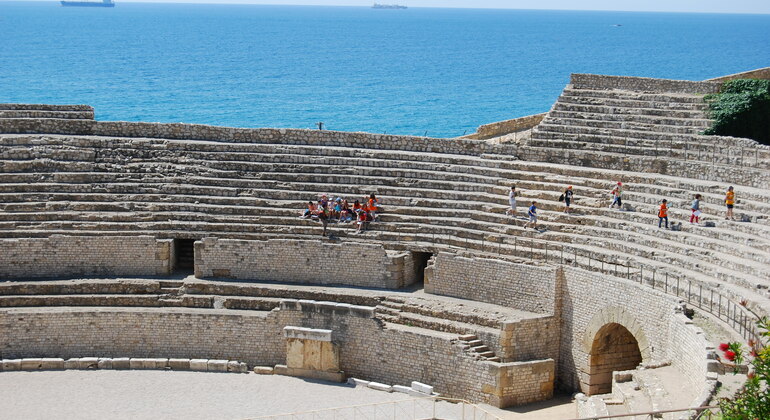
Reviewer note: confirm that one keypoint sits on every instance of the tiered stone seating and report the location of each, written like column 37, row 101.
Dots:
column 642, row 123
column 193, row 189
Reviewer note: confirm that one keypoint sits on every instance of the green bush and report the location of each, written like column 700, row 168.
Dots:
column 741, row 109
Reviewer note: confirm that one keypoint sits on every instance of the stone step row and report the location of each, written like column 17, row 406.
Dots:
column 569, row 99
column 598, row 108
column 53, row 363
column 720, row 157
column 748, row 175
column 631, row 133
column 661, row 123
column 76, row 115
column 555, row 123
column 671, row 98
column 45, row 107
column 688, row 150
column 126, row 300
column 402, row 308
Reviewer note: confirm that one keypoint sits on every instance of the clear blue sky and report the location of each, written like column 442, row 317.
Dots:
column 703, row 6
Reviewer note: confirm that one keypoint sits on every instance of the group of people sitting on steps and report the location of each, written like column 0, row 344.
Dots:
column 340, row 210
column 616, row 194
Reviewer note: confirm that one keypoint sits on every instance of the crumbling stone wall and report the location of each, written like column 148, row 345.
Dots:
column 303, row 261
column 84, row 256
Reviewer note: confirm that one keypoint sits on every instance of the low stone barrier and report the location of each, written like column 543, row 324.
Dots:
column 123, row 363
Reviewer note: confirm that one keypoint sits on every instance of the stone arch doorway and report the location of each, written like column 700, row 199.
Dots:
column 614, row 348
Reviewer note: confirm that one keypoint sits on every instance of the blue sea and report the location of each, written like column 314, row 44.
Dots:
column 440, row 72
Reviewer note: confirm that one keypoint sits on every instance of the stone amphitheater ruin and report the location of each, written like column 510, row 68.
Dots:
column 156, row 244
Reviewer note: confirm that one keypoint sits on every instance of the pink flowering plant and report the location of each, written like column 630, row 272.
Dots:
column 752, row 402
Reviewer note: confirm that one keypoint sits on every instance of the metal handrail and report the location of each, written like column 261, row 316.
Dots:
column 432, row 400
column 652, row 414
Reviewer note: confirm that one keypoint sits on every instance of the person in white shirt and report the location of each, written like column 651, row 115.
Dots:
column 512, row 201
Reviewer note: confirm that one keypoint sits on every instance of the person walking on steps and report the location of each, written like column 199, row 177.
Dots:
column 730, row 203
column 532, row 215
column 512, row 201
column 695, row 207
column 616, row 196
column 567, row 197
column 663, row 213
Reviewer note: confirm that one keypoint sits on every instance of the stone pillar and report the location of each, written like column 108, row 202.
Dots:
column 310, row 353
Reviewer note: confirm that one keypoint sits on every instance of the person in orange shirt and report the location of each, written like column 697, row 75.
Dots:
column 663, row 213
column 730, row 203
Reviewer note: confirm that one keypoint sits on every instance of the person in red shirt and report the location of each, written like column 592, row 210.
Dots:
column 663, row 213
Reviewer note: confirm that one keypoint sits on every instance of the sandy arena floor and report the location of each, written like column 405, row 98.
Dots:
column 110, row 394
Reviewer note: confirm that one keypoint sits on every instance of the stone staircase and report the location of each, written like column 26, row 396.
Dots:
column 476, row 348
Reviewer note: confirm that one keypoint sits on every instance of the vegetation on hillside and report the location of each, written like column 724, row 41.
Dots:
column 742, row 109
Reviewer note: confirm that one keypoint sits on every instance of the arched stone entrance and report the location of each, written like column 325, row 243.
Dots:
column 613, row 341
column 614, row 348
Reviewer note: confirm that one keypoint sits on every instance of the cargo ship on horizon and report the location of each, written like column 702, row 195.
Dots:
column 103, row 3
column 388, row 6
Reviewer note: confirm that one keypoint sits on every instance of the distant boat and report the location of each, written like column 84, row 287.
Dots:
column 388, row 6
column 103, row 3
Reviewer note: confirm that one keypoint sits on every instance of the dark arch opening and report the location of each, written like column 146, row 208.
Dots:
column 614, row 349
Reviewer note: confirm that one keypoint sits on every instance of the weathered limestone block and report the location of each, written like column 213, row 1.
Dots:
column 121, row 363
column 422, row 388
column 104, row 363
column 263, row 370
column 11, row 364
column 217, row 366
column 311, row 353
column 31, row 364
column 380, row 387
column 52, row 363
column 179, row 364
column 199, row 364
column 88, row 363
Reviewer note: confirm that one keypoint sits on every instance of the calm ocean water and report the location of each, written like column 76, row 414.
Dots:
column 439, row 71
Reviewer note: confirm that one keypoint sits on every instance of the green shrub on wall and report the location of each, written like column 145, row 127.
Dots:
column 742, row 109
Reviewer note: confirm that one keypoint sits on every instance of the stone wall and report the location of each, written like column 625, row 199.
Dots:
column 763, row 73
column 400, row 354
column 252, row 337
column 391, row 355
column 642, row 84
column 591, row 301
column 303, row 261
column 693, row 356
column 500, row 128
column 84, row 256
column 526, row 287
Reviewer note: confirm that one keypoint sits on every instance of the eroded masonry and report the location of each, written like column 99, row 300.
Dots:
column 175, row 242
